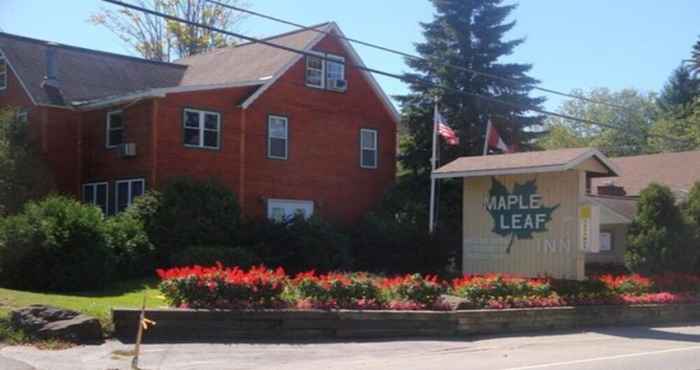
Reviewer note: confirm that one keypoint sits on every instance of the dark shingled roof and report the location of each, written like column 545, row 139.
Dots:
column 85, row 74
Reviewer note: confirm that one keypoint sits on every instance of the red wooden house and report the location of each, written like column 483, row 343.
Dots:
column 287, row 133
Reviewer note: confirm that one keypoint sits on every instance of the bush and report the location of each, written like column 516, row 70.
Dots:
column 299, row 244
column 335, row 290
column 385, row 244
column 219, row 287
column 133, row 252
column 56, row 244
column 659, row 238
column 627, row 284
column 423, row 291
column 188, row 213
column 208, row 256
column 496, row 289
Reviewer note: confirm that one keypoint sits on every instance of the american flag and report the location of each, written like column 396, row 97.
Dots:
column 444, row 130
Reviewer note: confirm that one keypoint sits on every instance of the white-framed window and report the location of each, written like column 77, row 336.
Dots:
column 335, row 73
column 3, row 72
column 97, row 194
column 606, row 242
column 284, row 209
column 368, row 148
column 114, row 129
column 202, row 129
column 315, row 71
column 277, row 137
column 327, row 71
column 125, row 191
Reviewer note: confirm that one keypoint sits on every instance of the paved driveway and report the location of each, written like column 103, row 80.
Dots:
column 634, row 348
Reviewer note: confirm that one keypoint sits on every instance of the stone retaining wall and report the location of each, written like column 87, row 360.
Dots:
column 204, row 325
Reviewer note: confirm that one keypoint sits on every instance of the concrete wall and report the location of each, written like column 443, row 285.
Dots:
column 554, row 251
column 203, row 325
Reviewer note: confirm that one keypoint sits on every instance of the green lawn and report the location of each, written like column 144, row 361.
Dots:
column 97, row 304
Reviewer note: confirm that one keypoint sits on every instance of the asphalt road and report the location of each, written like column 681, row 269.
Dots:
column 634, row 348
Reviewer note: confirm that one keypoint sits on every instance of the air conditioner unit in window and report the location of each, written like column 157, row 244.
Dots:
column 338, row 84
column 127, row 150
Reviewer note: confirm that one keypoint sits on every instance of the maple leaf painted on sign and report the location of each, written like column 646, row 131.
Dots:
column 518, row 214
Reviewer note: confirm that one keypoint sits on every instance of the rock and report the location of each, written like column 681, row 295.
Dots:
column 46, row 322
column 457, row 303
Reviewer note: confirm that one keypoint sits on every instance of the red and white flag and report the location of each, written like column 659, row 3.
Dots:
column 444, row 130
column 495, row 141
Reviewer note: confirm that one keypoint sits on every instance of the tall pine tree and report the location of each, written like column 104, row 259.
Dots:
column 469, row 34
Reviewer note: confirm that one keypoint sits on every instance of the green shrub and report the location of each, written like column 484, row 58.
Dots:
column 299, row 244
column 133, row 252
column 337, row 290
column 188, row 213
column 414, row 288
column 394, row 245
column 56, row 244
column 659, row 239
column 210, row 255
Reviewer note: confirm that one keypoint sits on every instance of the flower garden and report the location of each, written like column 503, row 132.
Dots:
column 219, row 287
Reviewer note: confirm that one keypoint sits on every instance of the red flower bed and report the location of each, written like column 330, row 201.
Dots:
column 259, row 287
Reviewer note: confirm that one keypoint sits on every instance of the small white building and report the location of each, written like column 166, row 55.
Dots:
column 530, row 213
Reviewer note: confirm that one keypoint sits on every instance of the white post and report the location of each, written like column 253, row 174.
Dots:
column 433, row 160
column 486, row 139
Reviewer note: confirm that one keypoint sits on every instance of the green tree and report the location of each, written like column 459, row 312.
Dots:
column 659, row 238
column 469, row 33
column 466, row 33
column 681, row 123
column 695, row 59
column 24, row 174
column 160, row 39
column 680, row 90
column 631, row 126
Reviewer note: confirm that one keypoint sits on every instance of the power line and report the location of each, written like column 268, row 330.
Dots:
column 416, row 57
column 375, row 71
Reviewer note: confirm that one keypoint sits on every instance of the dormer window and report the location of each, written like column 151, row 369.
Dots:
column 314, row 72
column 3, row 72
column 327, row 71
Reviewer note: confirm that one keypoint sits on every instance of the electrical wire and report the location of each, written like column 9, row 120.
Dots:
column 379, row 72
column 416, row 57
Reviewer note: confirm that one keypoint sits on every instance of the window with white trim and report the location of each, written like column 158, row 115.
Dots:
column 115, row 129
column 281, row 210
column 97, row 194
column 3, row 72
column 277, row 137
column 327, row 71
column 202, row 129
column 368, row 148
column 315, row 70
column 125, row 191
column 335, row 73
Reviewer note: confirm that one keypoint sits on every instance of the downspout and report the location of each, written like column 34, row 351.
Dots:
column 241, row 164
column 154, row 143
column 79, row 170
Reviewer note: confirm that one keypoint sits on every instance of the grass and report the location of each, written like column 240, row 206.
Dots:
column 98, row 304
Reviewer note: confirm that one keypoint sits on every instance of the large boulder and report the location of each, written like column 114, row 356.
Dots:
column 46, row 322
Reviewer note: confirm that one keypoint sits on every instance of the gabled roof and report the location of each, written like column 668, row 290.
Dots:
column 247, row 61
column 679, row 171
column 83, row 74
column 526, row 162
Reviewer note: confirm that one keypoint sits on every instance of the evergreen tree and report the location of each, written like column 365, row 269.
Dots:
column 680, row 90
column 695, row 60
column 470, row 34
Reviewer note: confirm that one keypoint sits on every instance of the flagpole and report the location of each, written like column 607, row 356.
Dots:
column 486, row 139
column 433, row 160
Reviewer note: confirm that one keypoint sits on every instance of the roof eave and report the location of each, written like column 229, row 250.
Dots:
column 157, row 93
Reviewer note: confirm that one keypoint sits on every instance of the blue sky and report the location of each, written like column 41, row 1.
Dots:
column 572, row 44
